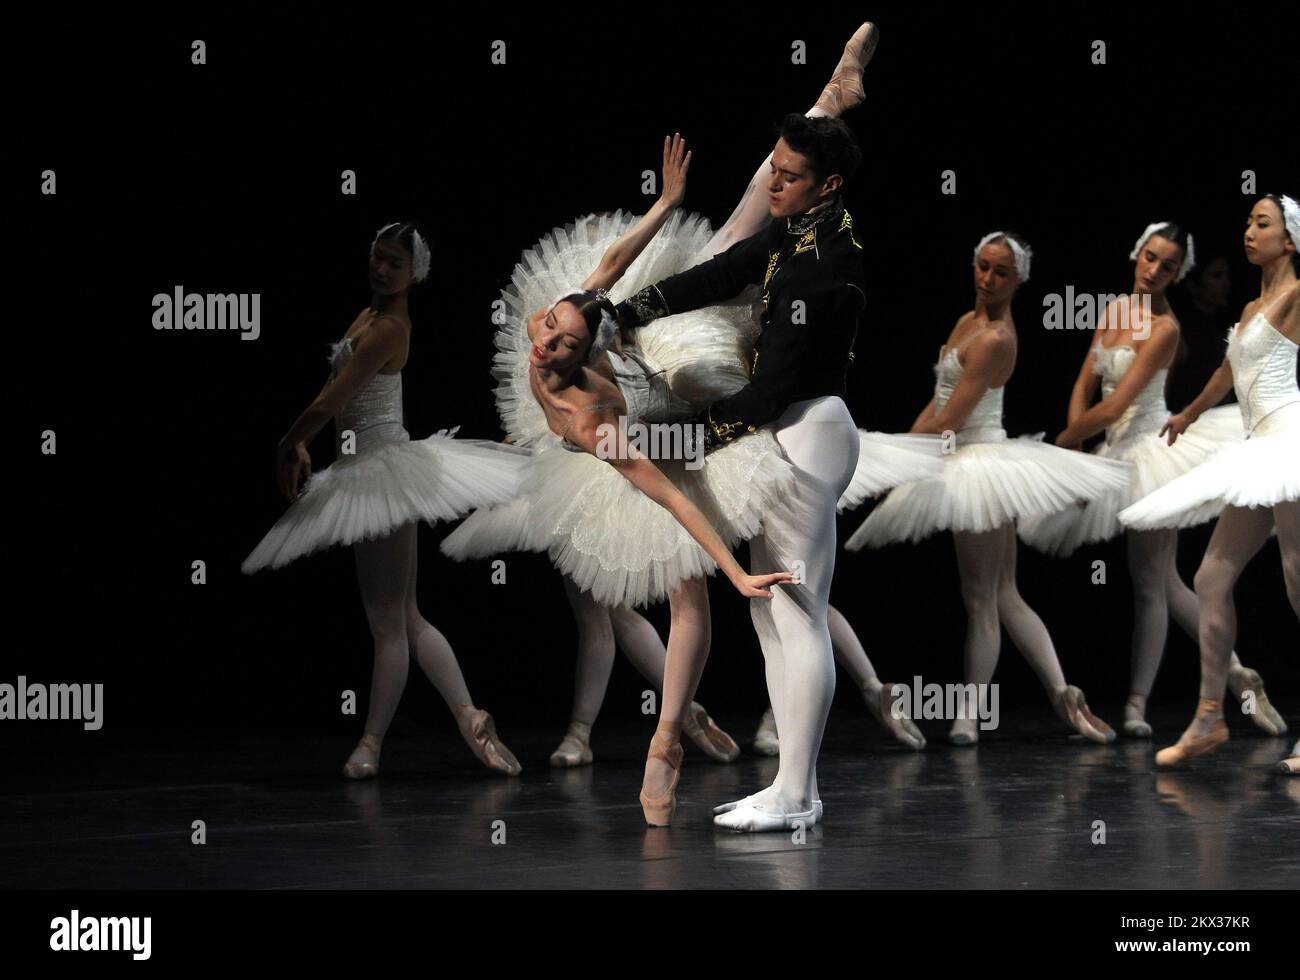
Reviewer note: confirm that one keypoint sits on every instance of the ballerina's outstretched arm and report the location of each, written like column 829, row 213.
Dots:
column 620, row 256
column 590, row 431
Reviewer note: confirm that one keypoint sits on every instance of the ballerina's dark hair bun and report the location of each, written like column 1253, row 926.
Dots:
column 826, row 141
column 591, row 305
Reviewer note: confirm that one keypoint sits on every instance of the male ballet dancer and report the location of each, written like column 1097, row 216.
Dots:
column 811, row 271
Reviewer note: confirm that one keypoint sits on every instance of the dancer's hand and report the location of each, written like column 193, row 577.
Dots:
column 292, row 466
column 754, row 586
column 1076, row 446
column 1177, row 425
column 676, row 162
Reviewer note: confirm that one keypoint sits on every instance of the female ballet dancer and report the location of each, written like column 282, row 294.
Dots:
column 1132, row 370
column 987, row 484
column 611, row 540
column 381, row 484
column 1256, row 483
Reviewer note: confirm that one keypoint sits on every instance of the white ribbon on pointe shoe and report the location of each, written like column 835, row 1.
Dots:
column 764, row 818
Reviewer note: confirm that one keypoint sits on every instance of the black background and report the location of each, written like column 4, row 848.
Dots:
column 225, row 178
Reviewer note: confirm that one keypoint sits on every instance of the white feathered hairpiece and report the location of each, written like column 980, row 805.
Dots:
column 1291, row 218
column 421, row 258
column 1023, row 253
column 1158, row 228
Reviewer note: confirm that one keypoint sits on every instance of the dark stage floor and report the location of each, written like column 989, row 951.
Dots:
column 1017, row 812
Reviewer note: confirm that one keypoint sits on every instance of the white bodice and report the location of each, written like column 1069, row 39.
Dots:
column 984, row 424
column 1263, row 361
column 375, row 411
column 645, row 390
column 1148, row 411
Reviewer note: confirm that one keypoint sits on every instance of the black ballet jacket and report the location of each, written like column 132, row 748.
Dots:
column 804, row 350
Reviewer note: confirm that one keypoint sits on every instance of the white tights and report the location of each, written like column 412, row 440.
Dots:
column 1237, row 537
column 386, row 572
column 820, row 439
column 1159, row 594
column 986, row 563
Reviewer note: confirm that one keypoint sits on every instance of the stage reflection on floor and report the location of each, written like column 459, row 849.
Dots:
column 1030, row 807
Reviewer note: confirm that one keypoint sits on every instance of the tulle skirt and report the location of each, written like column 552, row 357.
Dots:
column 985, row 484
column 1155, row 464
column 1262, row 471
column 398, row 482
column 886, row 460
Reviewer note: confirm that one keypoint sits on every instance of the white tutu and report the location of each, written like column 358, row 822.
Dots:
column 704, row 352
column 598, row 528
column 1260, row 472
column 1155, row 464
column 886, row 460
column 372, row 493
column 983, row 485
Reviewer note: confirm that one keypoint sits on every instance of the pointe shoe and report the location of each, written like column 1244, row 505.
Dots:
column 758, row 818
column 363, row 763
column 844, row 91
column 964, row 734
column 1265, row 716
column 1072, row 706
column 1291, row 766
column 659, row 810
column 711, row 740
column 1191, row 748
column 574, row 749
column 766, row 741
column 480, row 733
column 903, row 729
column 1137, row 728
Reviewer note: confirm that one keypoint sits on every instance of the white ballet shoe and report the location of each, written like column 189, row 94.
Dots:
column 1265, row 716
column 575, row 749
column 766, row 741
column 759, row 818
column 903, row 729
column 708, row 737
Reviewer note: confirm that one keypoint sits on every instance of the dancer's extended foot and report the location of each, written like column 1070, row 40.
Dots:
column 711, row 740
column 1263, row 714
column 1205, row 734
column 575, row 748
column 1072, row 706
column 363, row 763
column 1291, row 766
column 480, row 733
column 1135, row 722
column 663, row 769
column 844, row 90
column 881, row 705
column 964, row 731
column 766, row 741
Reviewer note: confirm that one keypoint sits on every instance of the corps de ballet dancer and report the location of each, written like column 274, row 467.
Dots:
column 1132, row 349
column 988, row 483
column 809, row 267
column 1254, row 484
column 380, row 486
